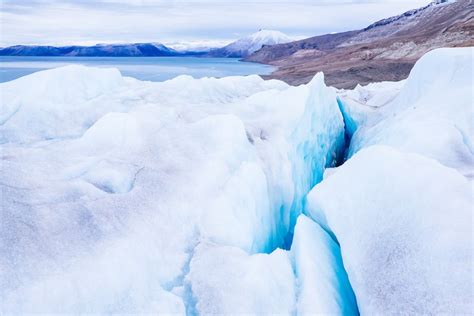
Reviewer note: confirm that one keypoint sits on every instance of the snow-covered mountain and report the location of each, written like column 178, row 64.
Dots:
column 250, row 44
column 240, row 48
column 197, row 45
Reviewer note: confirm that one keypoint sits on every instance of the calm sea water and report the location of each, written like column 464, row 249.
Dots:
column 143, row 68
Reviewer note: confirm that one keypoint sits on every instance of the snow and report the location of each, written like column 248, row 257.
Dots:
column 177, row 197
column 73, row 103
column 433, row 113
column 358, row 106
column 401, row 206
column 442, row 2
column 204, row 45
column 250, row 44
column 405, row 231
column 310, row 279
column 226, row 280
column 110, row 185
column 264, row 37
column 375, row 94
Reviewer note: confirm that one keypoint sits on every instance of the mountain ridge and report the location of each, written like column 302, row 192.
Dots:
column 99, row 50
column 250, row 44
column 240, row 48
column 383, row 51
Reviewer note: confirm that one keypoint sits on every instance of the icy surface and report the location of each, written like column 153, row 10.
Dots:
column 109, row 184
column 62, row 102
column 123, row 196
column 310, row 279
column 375, row 94
column 432, row 115
column 405, row 231
column 324, row 288
column 360, row 106
column 403, row 214
column 226, row 280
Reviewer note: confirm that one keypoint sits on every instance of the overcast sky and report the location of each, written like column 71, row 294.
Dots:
column 62, row 22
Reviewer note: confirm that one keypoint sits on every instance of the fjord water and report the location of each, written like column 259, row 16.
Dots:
column 143, row 68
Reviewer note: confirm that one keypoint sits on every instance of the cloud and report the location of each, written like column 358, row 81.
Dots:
column 66, row 21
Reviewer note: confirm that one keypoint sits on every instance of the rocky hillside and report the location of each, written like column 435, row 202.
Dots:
column 385, row 50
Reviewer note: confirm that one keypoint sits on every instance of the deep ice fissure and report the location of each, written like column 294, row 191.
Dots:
column 132, row 123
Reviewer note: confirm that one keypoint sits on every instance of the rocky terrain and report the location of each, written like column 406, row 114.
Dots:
column 383, row 51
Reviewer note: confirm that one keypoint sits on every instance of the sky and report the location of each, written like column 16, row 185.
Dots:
column 178, row 22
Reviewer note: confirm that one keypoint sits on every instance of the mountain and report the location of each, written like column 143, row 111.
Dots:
column 250, row 44
column 240, row 48
column 102, row 50
column 202, row 46
column 384, row 51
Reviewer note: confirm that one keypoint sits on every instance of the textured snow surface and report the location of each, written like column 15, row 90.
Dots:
column 432, row 115
column 112, row 187
column 123, row 196
column 401, row 206
column 405, row 232
column 310, row 279
column 226, row 280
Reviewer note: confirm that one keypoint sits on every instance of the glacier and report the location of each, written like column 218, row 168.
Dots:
column 111, row 185
column 401, row 206
column 237, row 195
column 432, row 115
column 405, row 232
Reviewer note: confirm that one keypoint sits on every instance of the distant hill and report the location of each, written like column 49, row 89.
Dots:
column 101, row 50
column 385, row 50
column 248, row 45
column 240, row 48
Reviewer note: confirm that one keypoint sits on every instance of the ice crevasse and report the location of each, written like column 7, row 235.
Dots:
column 123, row 196
column 401, row 207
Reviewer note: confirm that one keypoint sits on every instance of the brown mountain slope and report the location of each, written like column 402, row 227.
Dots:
column 385, row 50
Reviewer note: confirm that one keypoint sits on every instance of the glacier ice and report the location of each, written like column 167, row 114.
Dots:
column 309, row 279
column 433, row 114
column 62, row 102
column 226, row 280
column 405, row 231
column 109, row 183
column 360, row 104
column 401, row 205
column 323, row 286
column 124, row 196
